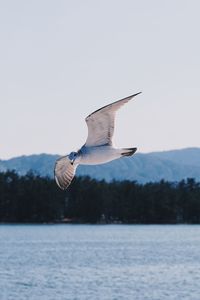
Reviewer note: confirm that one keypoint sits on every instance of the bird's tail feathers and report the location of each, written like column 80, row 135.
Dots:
column 128, row 151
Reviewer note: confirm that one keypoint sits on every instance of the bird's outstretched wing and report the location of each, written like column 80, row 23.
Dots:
column 101, row 123
column 64, row 172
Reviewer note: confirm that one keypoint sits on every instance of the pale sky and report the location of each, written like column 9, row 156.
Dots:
column 60, row 60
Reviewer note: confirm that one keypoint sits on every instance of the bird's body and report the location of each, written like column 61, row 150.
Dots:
column 101, row 154
column 98, row 155
column 98, row 148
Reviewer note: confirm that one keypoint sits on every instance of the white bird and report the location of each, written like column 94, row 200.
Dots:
column 98, row 148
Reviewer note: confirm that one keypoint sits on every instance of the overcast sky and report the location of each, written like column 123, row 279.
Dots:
column 60, row 60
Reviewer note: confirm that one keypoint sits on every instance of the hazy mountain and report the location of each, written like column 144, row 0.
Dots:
column 171, row 165
column 188, row 156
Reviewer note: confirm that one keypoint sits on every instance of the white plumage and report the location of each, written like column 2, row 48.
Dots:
column 98, row 148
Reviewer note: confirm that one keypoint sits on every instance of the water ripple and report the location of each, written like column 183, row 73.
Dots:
column 99, row 262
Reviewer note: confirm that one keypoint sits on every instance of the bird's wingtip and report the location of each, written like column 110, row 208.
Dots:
column 131, row 96
column 136, row 94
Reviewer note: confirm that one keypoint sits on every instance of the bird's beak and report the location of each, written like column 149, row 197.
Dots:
column 72, row 161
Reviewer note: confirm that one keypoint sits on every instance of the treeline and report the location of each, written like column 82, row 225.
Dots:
column 35, row 199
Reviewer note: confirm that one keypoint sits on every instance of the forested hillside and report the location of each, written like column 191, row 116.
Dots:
column 36, row 199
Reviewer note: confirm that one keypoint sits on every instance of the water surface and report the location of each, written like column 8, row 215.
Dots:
column 99, row 262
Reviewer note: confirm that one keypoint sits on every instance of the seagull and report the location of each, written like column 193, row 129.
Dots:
column 98, row 148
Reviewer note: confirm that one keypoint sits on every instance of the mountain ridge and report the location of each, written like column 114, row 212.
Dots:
column 172, row 165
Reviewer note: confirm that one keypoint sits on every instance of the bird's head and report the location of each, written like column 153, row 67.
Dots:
column 73, row 156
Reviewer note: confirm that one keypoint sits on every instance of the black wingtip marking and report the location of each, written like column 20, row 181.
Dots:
column 112, row 103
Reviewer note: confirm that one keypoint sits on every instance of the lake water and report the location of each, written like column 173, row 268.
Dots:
column 99, row 262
